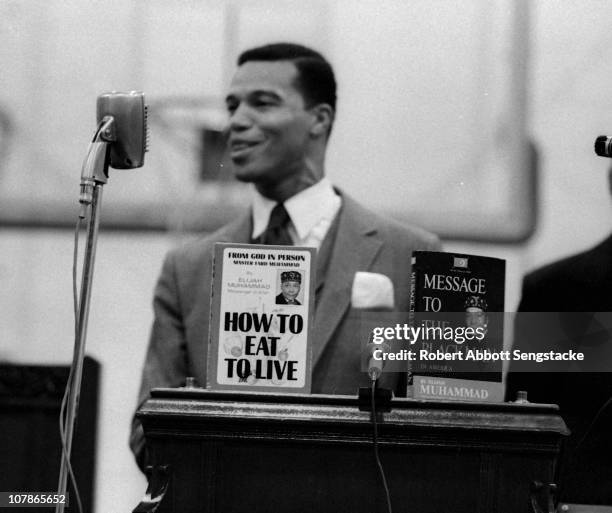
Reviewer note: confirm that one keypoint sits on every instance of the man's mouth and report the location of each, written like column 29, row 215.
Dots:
column 242, row 148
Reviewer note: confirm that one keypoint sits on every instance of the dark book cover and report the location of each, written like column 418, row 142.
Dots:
column 458, row 301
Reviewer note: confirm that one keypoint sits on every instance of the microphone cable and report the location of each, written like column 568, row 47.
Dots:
column 592, row 424
column 376, row 454
column 69, row 383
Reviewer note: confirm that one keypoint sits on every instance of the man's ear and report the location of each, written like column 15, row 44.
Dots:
column 323, row 119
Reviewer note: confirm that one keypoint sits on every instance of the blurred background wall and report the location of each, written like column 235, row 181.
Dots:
column 430, row 92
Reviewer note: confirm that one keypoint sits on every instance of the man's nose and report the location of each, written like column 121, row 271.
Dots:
column 239, row 119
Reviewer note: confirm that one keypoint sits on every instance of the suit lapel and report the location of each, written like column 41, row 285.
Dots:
column 324, row 255
column 354, row 249
column 238, row 231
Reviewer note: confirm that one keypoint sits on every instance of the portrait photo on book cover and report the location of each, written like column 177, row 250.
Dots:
column 290, row 288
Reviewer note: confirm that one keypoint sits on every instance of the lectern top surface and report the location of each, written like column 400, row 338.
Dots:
column 342, row 400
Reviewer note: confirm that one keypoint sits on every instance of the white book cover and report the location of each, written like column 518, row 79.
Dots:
column 262, row 308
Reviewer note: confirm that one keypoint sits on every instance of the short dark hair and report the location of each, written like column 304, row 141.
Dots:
column 316, row 79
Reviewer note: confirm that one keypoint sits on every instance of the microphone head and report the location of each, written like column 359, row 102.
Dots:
column 603, row 146
column 130, row 125
column 374, row 365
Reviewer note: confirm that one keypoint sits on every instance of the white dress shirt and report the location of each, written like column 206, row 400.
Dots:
column 312, row 212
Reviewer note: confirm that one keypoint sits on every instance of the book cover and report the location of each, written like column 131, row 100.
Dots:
column 458, row 301
column 262, row 307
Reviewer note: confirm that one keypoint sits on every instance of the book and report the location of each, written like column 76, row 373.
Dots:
column 452, row 389
column 458, row 301
column 262, row 307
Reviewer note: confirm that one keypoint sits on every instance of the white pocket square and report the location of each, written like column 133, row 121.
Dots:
column 372, row 291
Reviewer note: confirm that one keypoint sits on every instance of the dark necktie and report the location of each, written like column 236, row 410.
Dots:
column 277, row 232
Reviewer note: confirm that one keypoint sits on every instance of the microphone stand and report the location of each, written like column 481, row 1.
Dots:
column 94, row 176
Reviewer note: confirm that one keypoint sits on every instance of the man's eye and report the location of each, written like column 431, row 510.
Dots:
column 231, row 107
column 263, row 103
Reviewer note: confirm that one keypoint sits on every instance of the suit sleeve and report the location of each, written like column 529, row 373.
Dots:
column 527, row 296
column 435, row 244
column 429, row 242
column 530, row 335
column 166, row 360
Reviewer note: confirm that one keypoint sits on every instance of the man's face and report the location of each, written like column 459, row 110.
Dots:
column 268, row 122
column 475, row 317
column 290, row 289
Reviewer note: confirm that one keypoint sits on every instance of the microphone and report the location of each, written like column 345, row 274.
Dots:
column 120, row 141
column 375, row 365
column 603, row 146
column 128, row 133
column 373, row 292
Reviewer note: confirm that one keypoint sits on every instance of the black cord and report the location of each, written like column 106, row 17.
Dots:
column 75, row 257
column 376, row 455
column 62, row 427
column 69, row 383
column 593, row 422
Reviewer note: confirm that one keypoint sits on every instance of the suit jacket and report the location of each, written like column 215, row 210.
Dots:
column 574, row 287
column 280, row 300
column 579, row 283
column 360, row 241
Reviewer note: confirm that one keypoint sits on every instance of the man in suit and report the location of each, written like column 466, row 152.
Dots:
column 291, row 282
column 281, row 105
column 567, row 293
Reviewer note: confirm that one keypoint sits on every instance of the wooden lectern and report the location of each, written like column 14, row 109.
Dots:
column 250, row 453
